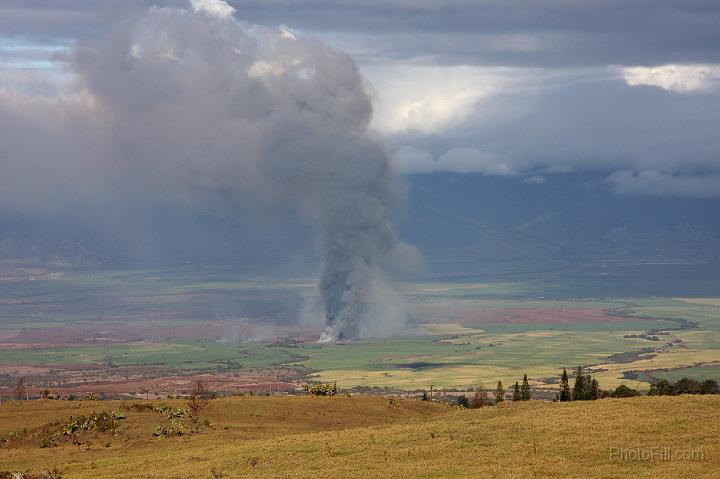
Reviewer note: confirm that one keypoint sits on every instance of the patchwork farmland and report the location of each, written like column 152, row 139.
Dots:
column 142, row 333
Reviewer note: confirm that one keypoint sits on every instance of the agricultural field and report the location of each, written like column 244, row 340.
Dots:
column 149, row 333
column 366, row 436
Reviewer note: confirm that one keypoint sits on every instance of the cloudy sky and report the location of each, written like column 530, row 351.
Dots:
column 628, row 89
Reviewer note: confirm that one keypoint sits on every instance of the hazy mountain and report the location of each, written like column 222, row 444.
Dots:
column 462, row 223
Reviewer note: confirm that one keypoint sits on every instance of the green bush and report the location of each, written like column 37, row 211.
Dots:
column 95, row 421
column 623, row 391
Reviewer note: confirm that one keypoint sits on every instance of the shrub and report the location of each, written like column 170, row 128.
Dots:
column 50, row 474
column 95, row 421
column 198, row 399
column 320, row 389
column 175, row 428
column 480, row 399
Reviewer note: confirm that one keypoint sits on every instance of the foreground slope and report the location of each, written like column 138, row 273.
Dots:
column 374, row 437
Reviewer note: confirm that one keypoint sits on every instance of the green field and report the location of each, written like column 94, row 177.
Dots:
column 459, row 335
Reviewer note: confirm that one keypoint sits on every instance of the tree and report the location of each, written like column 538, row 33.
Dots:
column 565, row 387
column 479, row 399
column 424, row 396
column 662, row 388
column 516, row 392
column 683, row 386
column 20, row 391
column 623, row 391
column 687, row 386
column 525, row 389
column 499, row 393
column 463, row 401
column 198, row 399
column 710, row 386
column 579, row 388
column 592, row 389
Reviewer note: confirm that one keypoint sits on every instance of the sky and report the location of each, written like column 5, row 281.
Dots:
column 521, row 88
column 188, row 126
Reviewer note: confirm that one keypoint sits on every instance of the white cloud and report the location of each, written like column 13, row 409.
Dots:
column 680, row 78
column 216, row 8
column 655, row 183
column 428, row 99
column 537, row 122
column 458, row 160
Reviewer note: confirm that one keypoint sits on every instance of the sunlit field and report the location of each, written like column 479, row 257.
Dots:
column 363, row 436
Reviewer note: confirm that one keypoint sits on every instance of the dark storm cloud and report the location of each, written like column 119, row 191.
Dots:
column 600, row 124
column 67, row 19
column 557, row 115
column 496, row 32
column 525, row 32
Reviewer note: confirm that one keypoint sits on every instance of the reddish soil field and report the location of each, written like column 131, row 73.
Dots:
column 117, row 331
column 162, row 386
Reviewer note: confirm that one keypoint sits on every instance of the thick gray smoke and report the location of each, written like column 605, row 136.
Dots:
column 193, row 104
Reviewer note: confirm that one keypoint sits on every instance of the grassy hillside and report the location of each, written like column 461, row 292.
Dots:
column 376, row 437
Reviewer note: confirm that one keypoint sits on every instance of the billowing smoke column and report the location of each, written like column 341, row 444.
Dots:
column 194, row 103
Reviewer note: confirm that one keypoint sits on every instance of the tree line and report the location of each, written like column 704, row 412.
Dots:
column 683, row 386
column 587, row 388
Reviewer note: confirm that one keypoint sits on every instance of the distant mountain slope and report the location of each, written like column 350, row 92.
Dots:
column 572, row 219
column 465, row 223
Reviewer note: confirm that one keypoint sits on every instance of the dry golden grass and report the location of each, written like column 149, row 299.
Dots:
column 301, row 437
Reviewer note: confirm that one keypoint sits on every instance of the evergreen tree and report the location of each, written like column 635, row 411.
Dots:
column 579, row 389
column 516, row 392
column 499, row 393
column 594, row 390
column 587, row 392
column 525, row 389
column 565, row 387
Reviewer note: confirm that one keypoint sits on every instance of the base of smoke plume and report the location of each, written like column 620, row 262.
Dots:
column 383, row 315
column 329, row 335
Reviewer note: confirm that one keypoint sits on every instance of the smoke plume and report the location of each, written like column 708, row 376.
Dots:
column 193, row 104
